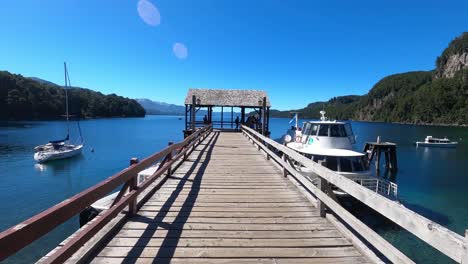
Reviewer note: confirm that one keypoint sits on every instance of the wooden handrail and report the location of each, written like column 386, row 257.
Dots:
column 23, row 234
column 439, row 237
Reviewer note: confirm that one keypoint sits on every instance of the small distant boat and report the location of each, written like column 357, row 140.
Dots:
column 430, row 141
column 60, row 149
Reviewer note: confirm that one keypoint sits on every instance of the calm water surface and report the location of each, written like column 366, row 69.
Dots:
column 433, row 182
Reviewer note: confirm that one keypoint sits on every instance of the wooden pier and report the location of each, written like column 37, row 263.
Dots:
column 227, row 202
column 227, row 197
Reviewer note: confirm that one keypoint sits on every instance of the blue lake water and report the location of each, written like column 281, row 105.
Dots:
column 433, row 182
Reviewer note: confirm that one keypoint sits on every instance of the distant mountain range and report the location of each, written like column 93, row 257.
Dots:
column 160, row 108
column 439, row 96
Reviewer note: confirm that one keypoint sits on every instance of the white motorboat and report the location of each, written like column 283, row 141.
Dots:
column 329, row 143
column 60, row 149
column 430, row 141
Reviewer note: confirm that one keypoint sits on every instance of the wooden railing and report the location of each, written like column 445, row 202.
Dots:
column 446, row 241
column 17, row 237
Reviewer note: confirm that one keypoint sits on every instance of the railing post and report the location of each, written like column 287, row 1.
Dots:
column 285, row 159
column 464, row 259
column 268, row 147
column 169, row 157
column 133, row 185
column 322, row 185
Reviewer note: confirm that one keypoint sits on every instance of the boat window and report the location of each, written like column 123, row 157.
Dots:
column 314, row 129
column 332, row 163
column 337, row 131
column 323, row 130
column 317, row 158
column 306, row 129
column 345, row 165
column 349, row 133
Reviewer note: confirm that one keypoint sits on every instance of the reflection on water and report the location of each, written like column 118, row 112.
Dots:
column 40, row 167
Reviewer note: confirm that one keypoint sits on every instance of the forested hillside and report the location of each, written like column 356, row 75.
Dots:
column 24, row 98
column 421, row 97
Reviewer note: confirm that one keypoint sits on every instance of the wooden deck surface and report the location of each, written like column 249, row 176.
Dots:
column 228, row 204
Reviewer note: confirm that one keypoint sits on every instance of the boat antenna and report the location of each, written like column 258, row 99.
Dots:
column 323, row 118
column 67, row 80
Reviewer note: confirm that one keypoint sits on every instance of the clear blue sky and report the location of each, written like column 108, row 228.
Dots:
column 299, row 51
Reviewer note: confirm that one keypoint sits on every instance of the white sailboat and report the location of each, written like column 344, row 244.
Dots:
column 60, row 149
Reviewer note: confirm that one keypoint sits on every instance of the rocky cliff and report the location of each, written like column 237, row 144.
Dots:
column 454, row 58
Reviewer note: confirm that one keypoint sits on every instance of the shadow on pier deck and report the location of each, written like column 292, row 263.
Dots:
column 227, row 204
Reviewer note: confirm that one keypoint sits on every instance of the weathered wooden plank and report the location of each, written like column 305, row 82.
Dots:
column 238, row 220
column 233, row 252
column 238, row 227
column 141, row 260
column 224, row 209
column 231, row 200
column 230, row 242
column 162, row 233
column 228, row 191
column 231, row 214
column 190, row 184
column 273, row 188
column 227, row 205
column 222, row 196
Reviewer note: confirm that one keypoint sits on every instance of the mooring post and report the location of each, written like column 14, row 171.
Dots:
column 169, row 157
column 133, row 185
column 322, row 185
column 387, row 158
column 393, row 158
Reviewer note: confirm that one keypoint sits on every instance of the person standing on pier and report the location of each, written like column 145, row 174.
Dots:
column 237, row 122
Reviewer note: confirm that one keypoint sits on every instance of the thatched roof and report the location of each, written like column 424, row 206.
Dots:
column 215, row 97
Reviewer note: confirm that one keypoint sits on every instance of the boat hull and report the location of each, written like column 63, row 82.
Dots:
column 45, row 156
column 436, row 145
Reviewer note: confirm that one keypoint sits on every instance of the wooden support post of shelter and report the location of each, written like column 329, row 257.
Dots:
column 245, row 100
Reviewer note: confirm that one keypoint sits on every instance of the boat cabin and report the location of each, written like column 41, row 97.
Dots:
column 430, row 139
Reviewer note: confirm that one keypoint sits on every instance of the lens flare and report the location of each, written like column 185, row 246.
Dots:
column 180, row 51
column 148, row 13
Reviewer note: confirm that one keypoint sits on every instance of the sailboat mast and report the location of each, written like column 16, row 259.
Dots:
column 66, row 99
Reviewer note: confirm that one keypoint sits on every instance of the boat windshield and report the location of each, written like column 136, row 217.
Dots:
column 323, row 130
column 310, row 129
column 337, row 130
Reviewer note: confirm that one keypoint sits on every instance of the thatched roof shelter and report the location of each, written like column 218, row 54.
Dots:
column 235, row 98
column 208, row 99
